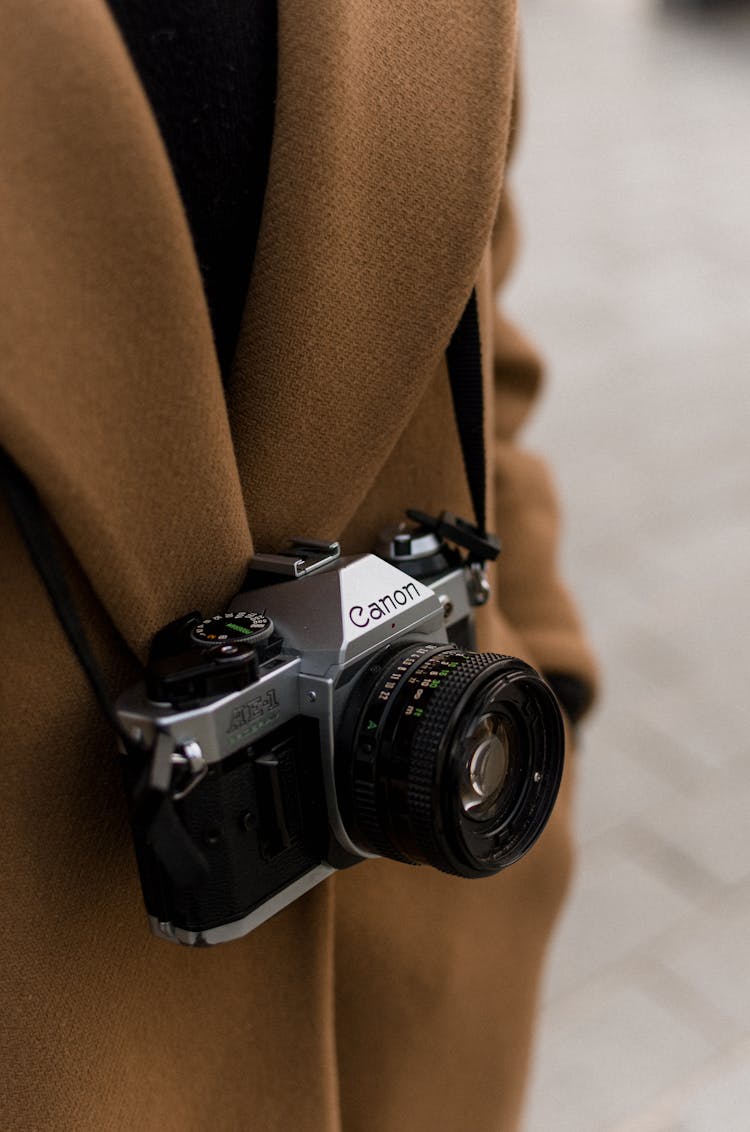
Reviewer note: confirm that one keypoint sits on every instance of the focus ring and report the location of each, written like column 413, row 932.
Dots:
column 368, row 816
column 425, row 746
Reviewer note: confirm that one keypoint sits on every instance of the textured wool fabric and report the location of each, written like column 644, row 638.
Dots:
column 391, row 997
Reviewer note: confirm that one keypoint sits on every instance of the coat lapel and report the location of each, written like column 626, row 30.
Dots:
column 390, row 138
column 386, row 168
column 111, row 396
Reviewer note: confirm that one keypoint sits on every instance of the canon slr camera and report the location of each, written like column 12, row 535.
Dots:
column 337, row 712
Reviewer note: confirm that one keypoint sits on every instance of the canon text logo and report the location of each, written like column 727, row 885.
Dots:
column 386, row 606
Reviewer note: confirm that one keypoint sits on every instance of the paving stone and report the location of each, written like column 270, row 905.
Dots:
column 711, row 828
column 710, row 953
column 722, row 1104
column 618, row 906
column 614, row 787
column 609, row 1051
column 716, row 1099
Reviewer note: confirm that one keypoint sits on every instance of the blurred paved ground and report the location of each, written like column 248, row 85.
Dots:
column 634, row 182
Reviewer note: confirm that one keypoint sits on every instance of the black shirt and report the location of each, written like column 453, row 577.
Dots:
column 209, row 70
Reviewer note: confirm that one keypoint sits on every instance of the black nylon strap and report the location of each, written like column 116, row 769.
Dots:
column 154, row 811
column 33, row 524
column 464, row 355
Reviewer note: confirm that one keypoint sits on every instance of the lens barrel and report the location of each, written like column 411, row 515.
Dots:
column 449, row 758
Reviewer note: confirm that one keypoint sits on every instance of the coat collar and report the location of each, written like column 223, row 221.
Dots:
column 111, row 394
column 386, row 168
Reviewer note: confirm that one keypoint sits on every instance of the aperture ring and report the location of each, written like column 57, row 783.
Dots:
column 383, row 695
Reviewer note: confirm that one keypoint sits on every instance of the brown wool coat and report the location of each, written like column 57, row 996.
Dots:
column 389, row 999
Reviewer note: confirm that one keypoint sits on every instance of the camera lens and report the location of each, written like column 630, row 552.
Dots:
column 449, row 758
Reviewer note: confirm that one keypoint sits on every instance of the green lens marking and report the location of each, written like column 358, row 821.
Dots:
column 239, row 628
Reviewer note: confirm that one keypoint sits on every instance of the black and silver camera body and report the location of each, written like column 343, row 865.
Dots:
column 336, row 712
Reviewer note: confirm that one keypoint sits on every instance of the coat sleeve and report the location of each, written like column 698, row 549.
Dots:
column 530, row 592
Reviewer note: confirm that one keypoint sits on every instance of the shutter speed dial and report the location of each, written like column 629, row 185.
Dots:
column 248, row 628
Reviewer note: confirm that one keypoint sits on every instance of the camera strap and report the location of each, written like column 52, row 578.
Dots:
column 153, row 799
column 153, row 806
column 34, row 526
column 464, row 356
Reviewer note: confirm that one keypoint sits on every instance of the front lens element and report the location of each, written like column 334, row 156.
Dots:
column 487, row 755
column 450, row 758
